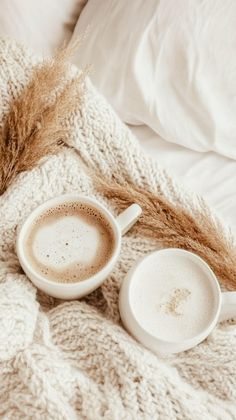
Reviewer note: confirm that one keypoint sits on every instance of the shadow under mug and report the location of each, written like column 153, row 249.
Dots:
column 224, row 305
column 119, row 225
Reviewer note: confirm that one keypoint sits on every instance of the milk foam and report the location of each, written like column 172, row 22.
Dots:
column 69, row 242
column 172, row 298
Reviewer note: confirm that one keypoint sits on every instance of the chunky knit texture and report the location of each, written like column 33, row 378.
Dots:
column 74, row 360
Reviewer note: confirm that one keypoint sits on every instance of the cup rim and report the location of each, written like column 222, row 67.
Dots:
column 211, row 324
column 64, row 198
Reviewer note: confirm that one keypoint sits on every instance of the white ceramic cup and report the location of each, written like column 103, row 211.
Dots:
column 224, row 307
column 120, row 226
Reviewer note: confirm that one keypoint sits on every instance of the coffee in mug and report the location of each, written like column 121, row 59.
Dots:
column 69, row 242
column 170, row 301
column 178, row 302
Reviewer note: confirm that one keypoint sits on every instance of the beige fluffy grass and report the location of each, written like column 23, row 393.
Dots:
column 33, row 127
column 172, row 226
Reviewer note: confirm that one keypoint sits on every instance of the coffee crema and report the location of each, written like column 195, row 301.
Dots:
column 69, row 242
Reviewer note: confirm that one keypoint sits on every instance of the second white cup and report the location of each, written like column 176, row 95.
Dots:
column 144, row 285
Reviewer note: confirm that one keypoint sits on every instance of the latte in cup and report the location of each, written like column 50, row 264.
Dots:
column 171, row 296
column 69, row 242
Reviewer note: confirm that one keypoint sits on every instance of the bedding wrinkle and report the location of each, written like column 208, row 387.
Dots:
column 42, row 25
column 208, row 174
column 180, row 77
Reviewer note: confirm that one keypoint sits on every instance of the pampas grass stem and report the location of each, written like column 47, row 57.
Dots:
column 171, row 226
column 33, row 127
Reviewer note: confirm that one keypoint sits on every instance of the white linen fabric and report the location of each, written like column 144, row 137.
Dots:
column 42, row 25
column 170, row 65
column 208, row 174
column 73, row 360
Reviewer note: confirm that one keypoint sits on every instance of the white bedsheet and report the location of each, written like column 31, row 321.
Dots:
column 178, row 60
column 210, row 174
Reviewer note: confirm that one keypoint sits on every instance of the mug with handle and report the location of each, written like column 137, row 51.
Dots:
column 119, row 225
column 224, row 305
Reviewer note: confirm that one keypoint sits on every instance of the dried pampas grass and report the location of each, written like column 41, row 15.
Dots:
column 33, row 127
column 172, row 226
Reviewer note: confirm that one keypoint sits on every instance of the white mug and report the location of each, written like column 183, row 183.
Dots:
column 120, row 226
column 224, row 303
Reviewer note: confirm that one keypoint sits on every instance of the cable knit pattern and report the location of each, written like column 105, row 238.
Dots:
column 74, row 360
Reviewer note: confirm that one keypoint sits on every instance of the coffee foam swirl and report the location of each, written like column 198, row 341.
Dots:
column 69, row 242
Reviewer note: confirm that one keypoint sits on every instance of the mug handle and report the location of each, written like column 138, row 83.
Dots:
column 128, row 217
column 228, row 307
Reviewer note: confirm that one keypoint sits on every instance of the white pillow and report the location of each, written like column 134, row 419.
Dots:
column 43, row 25
column 168, row 64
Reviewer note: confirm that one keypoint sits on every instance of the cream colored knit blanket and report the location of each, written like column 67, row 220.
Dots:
column 74, row 360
